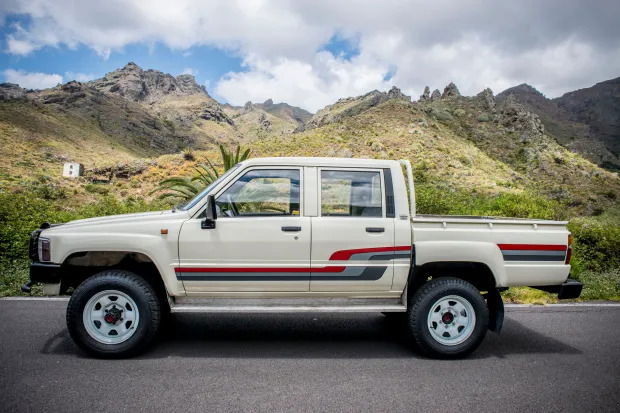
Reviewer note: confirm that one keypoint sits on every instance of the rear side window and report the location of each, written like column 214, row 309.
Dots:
column 351, row 194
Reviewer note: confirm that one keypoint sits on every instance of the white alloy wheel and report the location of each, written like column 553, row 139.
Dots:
column 111, row 317
column 451, row 320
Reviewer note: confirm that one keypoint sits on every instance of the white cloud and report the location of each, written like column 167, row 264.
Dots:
column 311, row 85
column 189, row 71
column 80, row 77
column 32, row 80
column 556, row 45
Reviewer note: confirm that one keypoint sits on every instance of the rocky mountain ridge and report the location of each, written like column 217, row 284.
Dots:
column 586, row 121
column 514, row 141
column 133, row 83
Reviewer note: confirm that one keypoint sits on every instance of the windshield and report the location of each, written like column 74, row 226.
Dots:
column 208, row 189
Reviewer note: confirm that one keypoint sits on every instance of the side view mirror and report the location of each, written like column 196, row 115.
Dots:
column 210, row 214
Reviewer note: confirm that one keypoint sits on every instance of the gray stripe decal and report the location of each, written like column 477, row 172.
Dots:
column 533, row 252
column 532, row 257
column 350, row 273
column 379, row 256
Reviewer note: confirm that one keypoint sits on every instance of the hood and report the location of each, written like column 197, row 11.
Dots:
column 119, row 219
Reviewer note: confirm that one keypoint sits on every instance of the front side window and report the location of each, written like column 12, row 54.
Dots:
column 351, row 194
column 262, row 192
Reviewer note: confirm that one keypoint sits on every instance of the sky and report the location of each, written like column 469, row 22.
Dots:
column 311, row 53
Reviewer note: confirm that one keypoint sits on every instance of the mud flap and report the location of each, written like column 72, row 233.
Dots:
column 496, row 310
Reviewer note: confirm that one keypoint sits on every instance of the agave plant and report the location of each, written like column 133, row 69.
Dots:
column 186, row 188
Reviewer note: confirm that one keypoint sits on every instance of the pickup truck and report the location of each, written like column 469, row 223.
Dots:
column 298, row 235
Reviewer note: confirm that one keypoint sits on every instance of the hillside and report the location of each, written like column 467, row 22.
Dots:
column 586, row 121
column 128, row 126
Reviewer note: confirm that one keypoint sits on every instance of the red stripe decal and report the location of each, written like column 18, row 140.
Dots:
column 344, row 255
column 531, row 247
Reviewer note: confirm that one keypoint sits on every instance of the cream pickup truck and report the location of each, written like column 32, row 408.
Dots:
column 298, row 235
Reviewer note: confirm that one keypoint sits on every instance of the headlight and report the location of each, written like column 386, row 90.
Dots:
column 45, row 253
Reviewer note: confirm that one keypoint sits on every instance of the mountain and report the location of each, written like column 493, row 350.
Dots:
column 352, row 106
column 456, row 143
column 599, row 108
column 586, row 121
column 258, row 119
column 133, row 123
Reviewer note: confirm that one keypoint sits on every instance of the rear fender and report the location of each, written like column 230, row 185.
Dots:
column 463, row 251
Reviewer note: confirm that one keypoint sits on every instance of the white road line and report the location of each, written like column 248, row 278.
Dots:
column 34, row 298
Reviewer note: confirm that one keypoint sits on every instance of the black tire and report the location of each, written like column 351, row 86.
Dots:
column 423, row 303
column 138, row 290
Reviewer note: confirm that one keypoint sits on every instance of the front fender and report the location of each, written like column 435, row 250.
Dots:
column 161, row 250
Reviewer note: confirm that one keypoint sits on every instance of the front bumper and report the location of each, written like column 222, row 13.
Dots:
column 42, row 272
column 567, row 290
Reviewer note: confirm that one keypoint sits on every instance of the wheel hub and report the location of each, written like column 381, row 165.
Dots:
column 447, row 317
column 451, row 320
column 113, row 315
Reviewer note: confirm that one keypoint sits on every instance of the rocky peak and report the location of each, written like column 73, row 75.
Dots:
column 10, row 91
column 138, row 85
column 435, row 95
column 523, row 88
column 516, row 118
column 268, row 102
column 187, row 84
column 426, row 95
column 395, row 93
column 487, row 99
column 450, row 91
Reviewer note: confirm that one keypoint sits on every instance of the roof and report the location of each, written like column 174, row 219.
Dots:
column 317, row 161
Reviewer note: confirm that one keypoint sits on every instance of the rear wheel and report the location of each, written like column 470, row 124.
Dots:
column 113, row 314
column 448, row 318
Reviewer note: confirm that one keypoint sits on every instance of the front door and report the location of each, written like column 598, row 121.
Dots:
column 353, row 236
column 261, row 241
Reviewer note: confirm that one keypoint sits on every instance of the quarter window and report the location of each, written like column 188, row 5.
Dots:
column 351, row 194
column 262, row 192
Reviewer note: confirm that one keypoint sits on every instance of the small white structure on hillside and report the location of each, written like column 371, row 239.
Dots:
column 72, row 169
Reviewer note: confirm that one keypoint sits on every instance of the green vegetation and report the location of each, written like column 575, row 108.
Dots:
column 433, row 200
column 596, row 256
column 21, row 213
column 185, row 188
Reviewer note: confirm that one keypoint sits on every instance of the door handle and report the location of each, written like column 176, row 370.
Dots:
column 375, row 229
column 291, row 229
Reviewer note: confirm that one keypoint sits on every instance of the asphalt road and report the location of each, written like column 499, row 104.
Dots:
column 549, row 359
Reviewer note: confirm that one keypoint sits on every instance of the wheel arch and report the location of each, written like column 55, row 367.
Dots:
column 79, row 266
column 477, row 273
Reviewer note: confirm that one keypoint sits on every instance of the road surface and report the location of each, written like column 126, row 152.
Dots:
column 546, row 359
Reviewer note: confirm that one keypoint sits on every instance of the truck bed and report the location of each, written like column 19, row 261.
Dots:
column 518, row 251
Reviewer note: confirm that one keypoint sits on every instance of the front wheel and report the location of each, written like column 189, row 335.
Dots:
column 448, row 318
column 113, row 314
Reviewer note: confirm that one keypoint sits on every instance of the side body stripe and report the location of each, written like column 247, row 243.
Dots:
column 533, row 252
column 330, row 272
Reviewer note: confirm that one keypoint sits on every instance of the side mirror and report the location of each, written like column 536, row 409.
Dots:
column 211, row 214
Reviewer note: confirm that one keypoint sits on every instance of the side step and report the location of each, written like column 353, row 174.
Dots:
column 288, row 305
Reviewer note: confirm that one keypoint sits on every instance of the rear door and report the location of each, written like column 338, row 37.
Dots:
column 353, row 235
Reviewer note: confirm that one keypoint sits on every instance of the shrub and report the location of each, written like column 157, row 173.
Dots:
column 188, row 154
column 96, row 189
column 22, row 213
column 596, row 243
